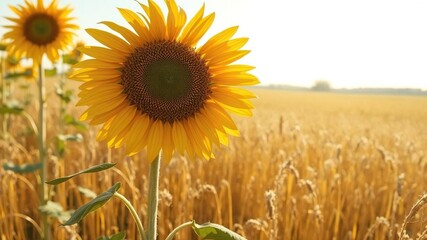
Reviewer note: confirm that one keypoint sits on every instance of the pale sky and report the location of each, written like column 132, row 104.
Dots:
column 358, row 43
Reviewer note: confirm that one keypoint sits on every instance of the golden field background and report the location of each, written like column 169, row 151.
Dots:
column 307, row 166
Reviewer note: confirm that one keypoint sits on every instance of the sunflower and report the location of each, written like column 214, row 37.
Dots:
column 40, row 30
column 74, row 56
column 3, row 45
column 154, row 88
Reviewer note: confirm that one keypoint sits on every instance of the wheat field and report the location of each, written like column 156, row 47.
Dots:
column 307, row 166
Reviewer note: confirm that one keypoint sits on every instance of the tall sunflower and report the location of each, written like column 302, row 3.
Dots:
column 154, row 87
column 40, row 30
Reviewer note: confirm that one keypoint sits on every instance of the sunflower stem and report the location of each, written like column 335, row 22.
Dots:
column 134, row 214
column 42, row 149
column 153, row 198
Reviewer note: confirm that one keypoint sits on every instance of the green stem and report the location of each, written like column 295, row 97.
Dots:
column 42, row 148
column 153, row 198
column 172, row 234
column 134, row 214
column 4, row 98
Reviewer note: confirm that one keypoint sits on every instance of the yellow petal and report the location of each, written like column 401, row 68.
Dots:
column 157, row 22
column 230, row 100
column 107, row 106
column 98, row 97
column 97, row 74
column 223, row 138
column 192, row 22
column 155, row 139
column 202, row 146
column 131, row 37
column 123, row 119
column 104, row 54
column 179, row 137
column 136, row 142
column 109, row 40
column 238, row 93
column 102, row 134
column 16, row 11
column 206, row 127
column 244, row 112
column 198, row 30
column 89, row 85
column 97, row 63
column 176, row 20
column 228, row 46
column 232, row 78
column 167, row 146
column 137, row 24
column 193, row 148
column 40, row 5
column 220, row 37
column 217, row 112
column 227, row 58
column 103, row 117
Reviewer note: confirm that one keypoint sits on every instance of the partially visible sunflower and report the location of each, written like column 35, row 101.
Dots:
column 3, row 45
column 12, row 63
column 155, row 88
column 74, row 56
column 40, row 30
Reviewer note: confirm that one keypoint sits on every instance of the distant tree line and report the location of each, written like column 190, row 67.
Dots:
column 321, row 85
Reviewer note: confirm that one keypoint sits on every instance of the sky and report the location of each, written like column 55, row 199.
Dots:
column 350, row 43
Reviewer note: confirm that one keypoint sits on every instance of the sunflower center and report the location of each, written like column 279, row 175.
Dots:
column 41, row 29
column 167, row 80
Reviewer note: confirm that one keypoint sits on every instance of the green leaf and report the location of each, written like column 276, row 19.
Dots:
column 70, row 137
column 117, row 236
column 62, row 138
column 50, row 72
column 13, row 76
column 55, row 209
column 11, row 107
column 91, row 206
column 65, row 96
column 214, row 231
column 97, row 168
column 24, row 168
column 70, row 120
